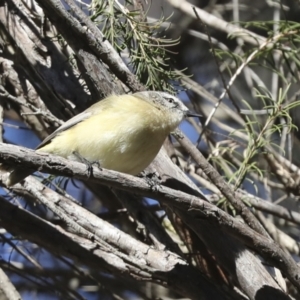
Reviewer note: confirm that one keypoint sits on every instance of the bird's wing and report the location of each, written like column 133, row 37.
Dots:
column 70, row 123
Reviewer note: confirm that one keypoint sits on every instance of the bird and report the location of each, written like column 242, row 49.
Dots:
column 123, row 133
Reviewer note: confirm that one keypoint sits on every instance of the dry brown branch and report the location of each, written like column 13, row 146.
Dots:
column 216, row 178
column 98, row 244
column 96, row 42
column 217, row 23
column 195, row 207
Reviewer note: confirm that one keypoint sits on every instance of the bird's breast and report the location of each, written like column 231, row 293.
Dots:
column 124, row 141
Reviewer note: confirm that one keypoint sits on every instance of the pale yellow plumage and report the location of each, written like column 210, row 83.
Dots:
column 130, row 138
column 123, row 133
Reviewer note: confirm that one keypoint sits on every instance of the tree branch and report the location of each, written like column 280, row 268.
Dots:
column 196, row 207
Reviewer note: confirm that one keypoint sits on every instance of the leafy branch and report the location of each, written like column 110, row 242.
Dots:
column 138, row 41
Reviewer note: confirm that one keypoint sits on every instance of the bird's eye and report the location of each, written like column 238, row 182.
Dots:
column 170, row 100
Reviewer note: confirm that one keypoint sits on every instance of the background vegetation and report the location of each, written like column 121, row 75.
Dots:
column 219, row 219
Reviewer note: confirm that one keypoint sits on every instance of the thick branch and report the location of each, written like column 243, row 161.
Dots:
column 218, row 181
column 108, row 248
column 197, row 207
column 77, row 36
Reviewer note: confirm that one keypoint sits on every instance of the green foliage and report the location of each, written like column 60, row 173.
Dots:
column 261, row 132
column 138, row 41
column 277, row 58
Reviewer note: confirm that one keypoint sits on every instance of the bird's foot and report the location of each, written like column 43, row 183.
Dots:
column 89, row 164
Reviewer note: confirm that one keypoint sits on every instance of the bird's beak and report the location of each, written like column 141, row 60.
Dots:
column 190, row 113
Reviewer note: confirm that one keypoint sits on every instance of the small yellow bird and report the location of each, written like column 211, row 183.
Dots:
column 122, row 132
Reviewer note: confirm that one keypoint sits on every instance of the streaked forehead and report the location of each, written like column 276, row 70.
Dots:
column 162, row 99
column 156, row 96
